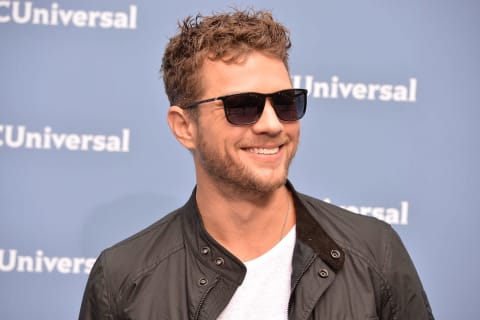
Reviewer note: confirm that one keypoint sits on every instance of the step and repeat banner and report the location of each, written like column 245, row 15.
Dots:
column 87, row 159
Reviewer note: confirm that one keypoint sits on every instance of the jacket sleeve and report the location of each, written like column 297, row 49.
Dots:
column 403, row 294
column 96, row 303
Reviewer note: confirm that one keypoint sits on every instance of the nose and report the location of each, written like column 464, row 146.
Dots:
column 269, row 123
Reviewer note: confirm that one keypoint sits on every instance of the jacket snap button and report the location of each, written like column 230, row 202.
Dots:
column 219, row 261
column 323, row 273
column 203, row 282
column 205, row 250
column 335, row 254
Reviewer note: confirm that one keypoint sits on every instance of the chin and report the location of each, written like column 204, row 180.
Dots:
column 266, row 185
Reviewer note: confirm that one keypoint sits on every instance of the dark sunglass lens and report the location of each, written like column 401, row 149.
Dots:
column 290, row 105
column 243, row 108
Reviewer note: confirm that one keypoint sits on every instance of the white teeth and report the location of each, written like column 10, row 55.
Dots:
column 264, row 150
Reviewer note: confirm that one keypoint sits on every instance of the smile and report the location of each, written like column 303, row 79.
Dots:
column 266, row 151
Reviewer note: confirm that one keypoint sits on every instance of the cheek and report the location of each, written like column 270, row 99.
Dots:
column 293, row 131
column 216, row 138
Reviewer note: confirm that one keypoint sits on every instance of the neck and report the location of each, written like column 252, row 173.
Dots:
column 248, row 224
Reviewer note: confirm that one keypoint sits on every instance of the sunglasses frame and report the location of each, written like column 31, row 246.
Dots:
column 264, row 96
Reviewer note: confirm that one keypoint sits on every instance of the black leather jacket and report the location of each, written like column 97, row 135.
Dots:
column 345, row 266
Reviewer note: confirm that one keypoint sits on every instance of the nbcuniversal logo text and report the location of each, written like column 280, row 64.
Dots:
column 20, row 137
column 26, row 12
column 336, row 88
column 11, row 261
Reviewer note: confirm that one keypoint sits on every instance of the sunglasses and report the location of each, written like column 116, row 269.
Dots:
column 246, row 108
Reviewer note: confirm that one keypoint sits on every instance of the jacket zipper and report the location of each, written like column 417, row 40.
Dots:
column 297, row 281
column 202, row 300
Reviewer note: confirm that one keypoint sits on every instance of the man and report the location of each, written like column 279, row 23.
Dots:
column 247, row 245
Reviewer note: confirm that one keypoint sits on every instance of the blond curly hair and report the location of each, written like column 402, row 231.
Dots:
column 226, row 36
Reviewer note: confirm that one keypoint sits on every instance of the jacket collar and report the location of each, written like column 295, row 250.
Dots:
column 311, row 233
column 211, row 254
column 206, row 249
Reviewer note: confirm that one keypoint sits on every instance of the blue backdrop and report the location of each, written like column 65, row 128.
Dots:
column 86, row 157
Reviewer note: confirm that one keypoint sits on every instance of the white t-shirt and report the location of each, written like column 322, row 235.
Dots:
column 265, row 291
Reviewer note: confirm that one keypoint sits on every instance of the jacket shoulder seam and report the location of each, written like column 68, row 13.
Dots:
column 157, row 261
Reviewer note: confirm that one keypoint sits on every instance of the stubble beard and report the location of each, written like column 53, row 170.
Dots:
column 234, row 177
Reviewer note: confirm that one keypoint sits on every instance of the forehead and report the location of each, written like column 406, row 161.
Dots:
column 253, row 72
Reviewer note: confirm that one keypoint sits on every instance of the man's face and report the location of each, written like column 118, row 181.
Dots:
column 249, row 158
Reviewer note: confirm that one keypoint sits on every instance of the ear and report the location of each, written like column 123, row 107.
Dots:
column 183, row 126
